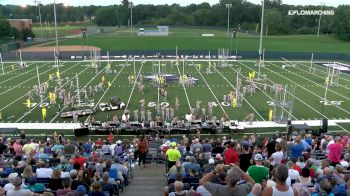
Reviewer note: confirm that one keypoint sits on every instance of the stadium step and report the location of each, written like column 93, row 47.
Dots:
column 146, row 181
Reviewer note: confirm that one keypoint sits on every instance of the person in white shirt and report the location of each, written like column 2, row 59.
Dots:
column 18, row 190
column 112, row 148
column 277, row 156
column 10, row 185
column 292, row 173
column 43, row 172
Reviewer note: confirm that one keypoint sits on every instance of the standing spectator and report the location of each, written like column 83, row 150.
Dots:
column 218, row 149
column 3, row 147
column 69, row 148
column 79, row 160
column 143, row 150
column 28, row 147
column 207, row 148
column 197, row 147
column 258, row 171
column 17, row 147
column 335, row 150
column 231, row 155
column 57, row 148
column 281, row 188
column 271, row 148
column 297, row 148
column 277, row 156
column 173, row 155
column 245, row 157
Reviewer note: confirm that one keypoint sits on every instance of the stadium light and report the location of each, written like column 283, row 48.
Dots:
column 319, row 21
column 131, row 5
column 54, row 9
column 23, row 6
column 228, row 6
column 37, row 3
column 261, row 27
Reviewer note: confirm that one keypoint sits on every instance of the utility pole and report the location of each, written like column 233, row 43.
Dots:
column 37, row 3
column 131, row 5
column 319, row 22
column 54, row 9
column 228, row 6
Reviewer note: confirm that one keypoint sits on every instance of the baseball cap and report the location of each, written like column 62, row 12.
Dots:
column 211, row 161
column 173, row 144
column 258, row 157
column 81, row 189
column 119, row 142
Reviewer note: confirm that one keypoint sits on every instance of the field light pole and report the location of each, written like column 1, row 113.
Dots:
column 36, row 2
column 228, row 6
column 2, row 65
column 131, row 5
column 54, row 9
column 319, row 22
column 261, row 32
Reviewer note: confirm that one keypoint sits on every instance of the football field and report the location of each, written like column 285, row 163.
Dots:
column 310, row 89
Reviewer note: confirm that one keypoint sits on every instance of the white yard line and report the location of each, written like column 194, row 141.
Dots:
column 305, row 78
column 290, row 93
column 243, row 97
column 133, row 87
column 27, row 94
column 304, row 88
column 210, row 90
column 268, row 96
column 183, row 86
column 48, row 97
column 80, row 91
column 22, row 73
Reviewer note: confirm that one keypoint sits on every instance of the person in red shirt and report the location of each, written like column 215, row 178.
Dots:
column 335, row 151
column 295, row 166
column 110, row 138
column 231, row 155
column 98, row 143
column 79, row 160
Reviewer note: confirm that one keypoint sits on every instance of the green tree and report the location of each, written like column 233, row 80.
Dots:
column 341, row 24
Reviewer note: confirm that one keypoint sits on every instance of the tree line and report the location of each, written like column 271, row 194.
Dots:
column 243, row 14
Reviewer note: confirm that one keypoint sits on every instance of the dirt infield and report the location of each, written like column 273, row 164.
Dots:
column 38, row 48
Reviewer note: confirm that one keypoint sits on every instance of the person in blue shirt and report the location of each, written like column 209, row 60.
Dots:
column 297, row 148
column 192, row 165
column 87, row 147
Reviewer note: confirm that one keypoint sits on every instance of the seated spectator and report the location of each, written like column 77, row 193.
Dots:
column 106, row 185
column 192, row 165
column 66, row 184
column 11, row 185
column 234, row 174
column 305, row 178
column 96, row 189
column 27, row 173
column 325, row 189
column 43, row 171
column 179, row 189
column 56, row 180
column 75, row 180
column 18, row 190
column 209, row 167
column 202, row 160
column 81, row 190
column 281, row 188
column 187, row 152
column 218, row 149
column 176, row 169
column 34, row 186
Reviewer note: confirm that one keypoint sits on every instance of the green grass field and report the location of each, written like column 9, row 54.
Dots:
column 310, row 90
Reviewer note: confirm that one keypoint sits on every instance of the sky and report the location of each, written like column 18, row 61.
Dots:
column 181, row 2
